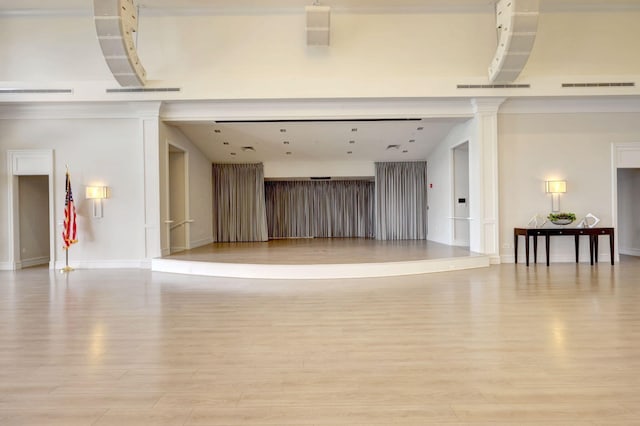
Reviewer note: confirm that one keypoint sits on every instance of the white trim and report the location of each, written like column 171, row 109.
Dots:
column 629, row 251
column 202, row 242
column 106, row 264
column 326, row 109
column 560, row 105
column 319, row 271
column 6, row 266
column 75, row 110
column 35, row 261
column 617, row 149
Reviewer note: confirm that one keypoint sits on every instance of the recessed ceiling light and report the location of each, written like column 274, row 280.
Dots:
column 389, row 147
column 420, row 128
column 248, row 148
column 355, row 129
column 412, row 140
column 225, row 143
column 286, row 142
column 349, row 152
column 217, row 130
column 283, row 130
column 352, row 142
column 288, row 152
column 233, row 153
column 405, row 151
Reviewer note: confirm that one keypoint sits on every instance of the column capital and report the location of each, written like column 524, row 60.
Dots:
column 486, row 105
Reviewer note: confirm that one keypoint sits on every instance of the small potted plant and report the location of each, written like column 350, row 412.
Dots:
column 561, row 218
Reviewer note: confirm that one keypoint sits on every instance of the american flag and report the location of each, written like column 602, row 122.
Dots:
column 69, row 231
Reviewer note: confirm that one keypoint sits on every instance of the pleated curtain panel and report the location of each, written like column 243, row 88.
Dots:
column 305, row 209
column 238, row 203
column 401, row 201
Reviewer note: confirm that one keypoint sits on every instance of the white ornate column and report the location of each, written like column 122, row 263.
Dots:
column 483, row 185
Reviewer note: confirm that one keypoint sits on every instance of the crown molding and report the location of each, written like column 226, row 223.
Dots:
column 60, row 110
column 630, row 104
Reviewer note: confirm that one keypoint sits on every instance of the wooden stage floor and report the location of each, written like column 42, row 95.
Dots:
column 320, row 258
column 306, row 251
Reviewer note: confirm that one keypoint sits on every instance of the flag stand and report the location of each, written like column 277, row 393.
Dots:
column 66, row 268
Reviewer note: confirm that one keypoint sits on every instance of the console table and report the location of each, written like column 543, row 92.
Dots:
column 547, row 233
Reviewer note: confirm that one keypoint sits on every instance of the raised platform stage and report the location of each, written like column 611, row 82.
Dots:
column 320, row 258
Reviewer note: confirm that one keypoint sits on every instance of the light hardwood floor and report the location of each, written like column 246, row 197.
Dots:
column 501, row 345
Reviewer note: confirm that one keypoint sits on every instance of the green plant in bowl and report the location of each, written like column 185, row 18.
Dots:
column 561, row 218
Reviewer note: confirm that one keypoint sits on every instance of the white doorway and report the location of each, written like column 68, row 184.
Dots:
column 178, row 174
column 33, row 217
column 626, row 200
column 30, row 187
column 460, row 195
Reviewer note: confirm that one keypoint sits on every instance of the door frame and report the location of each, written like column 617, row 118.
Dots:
column 28, row 162
column 623, row 155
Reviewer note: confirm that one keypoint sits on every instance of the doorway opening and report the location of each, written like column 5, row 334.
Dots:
column 460, row 193
column 178, row 200
column 628, row 211
column 33, row 218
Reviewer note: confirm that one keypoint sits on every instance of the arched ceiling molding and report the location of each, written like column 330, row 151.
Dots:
column 517, row 26
column 116, row 21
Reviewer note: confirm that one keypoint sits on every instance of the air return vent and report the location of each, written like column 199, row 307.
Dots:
column 627, row 84
column 143, row 89
column 320, row 178
column 36, row 91
column 493, row 86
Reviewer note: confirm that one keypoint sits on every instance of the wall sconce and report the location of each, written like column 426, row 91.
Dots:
column 97, row 194
column 555, row 188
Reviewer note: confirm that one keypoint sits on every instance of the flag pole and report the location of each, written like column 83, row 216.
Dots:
column 68, row 199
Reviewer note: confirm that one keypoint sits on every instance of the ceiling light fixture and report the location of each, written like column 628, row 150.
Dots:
column 420, row 128
column 390, row 147
column 286, row 142
column 248, row 148
column 352, row 142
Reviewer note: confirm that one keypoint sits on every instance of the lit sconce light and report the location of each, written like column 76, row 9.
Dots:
column 555, row 188
column 97, row 194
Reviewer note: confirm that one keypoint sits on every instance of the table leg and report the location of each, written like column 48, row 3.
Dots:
column 577, row 248
column 526, row 248
column 535, row 249
column 611, row 246
column 546, row 243
column 515, row 246
column 591, row 237
column 595, row 247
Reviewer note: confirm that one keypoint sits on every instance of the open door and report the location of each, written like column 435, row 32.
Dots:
column 460, row 200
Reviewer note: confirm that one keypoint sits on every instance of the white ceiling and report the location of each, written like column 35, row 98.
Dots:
column 318, row 141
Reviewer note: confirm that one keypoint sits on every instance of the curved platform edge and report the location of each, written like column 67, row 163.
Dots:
column 319, row 271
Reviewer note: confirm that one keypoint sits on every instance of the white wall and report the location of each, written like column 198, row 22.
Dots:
column 574, row 147
column 440, row 175
column 257, row 56
column 629, row 211
column 200, row 187
column 34, row 220
column 461, row 190
column 177, row 201
column 97, row 151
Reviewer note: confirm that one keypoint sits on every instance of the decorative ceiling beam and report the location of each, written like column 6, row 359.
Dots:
column 517, row 26
column 116, row 21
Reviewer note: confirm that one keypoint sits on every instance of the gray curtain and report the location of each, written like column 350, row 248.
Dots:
column 298, row 209
column 238, row 203
column 401, row 201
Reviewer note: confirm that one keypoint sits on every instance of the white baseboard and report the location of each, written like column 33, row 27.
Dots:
column 495, row 260
column 107, row 264
column 200, row 243
column 507, row 258
column 176, row 249
column 35, row 261
column 7, row 266
column 629, row 251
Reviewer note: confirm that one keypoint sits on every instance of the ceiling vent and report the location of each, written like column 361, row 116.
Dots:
column 116, row 21
column 27, row 91
column 320, row 178
column 493, row 86
column 627, row 84
column 318, row 23
column 143, row 89
column 517, row 26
